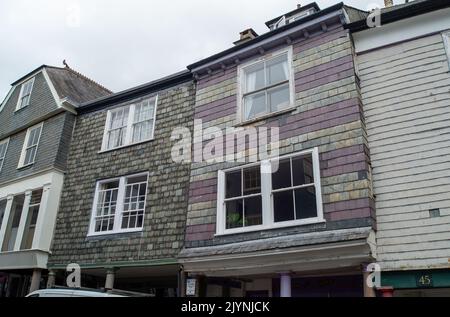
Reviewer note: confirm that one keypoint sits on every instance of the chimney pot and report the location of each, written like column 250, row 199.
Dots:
column 388, row 3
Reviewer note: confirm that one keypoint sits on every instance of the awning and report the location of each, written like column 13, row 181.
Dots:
column 292, row 253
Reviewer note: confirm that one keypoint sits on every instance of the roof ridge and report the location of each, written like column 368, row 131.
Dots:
column 84, row 77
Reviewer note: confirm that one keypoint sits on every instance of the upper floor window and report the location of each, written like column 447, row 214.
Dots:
column 270, row 194
column 25, row 94
column 130, row 124
column 3, row 149
column 30, row 145
column 266, row 85
column 119, row 205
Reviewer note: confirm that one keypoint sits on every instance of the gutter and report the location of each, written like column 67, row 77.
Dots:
column 104, row 102
column 402, row 13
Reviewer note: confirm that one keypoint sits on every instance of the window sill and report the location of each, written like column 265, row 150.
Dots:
column 125, row 146
column 266, row 116
column 113, row 233
column 279, row 225
column 18, row 109
column 25, row 166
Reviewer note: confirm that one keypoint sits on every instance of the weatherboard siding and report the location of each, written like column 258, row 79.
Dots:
column 327, row 115
column 406, row 96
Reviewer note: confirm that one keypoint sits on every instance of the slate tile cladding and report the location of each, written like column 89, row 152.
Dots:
column 41, row 104
column 328, row 115
column 51, row 152
column 167, row 193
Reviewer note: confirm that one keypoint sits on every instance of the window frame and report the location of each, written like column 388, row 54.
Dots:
column 6, row 151
column 119, row 206
column 241, row 83
column 130, row 124
column 25, row 146
column 267, row 197
column 21, row 95
column 446, row 39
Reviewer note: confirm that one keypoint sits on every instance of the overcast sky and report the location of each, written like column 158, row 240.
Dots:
column 124, row 43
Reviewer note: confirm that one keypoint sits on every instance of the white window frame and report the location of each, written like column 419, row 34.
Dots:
column 241, row 82
column 267, row 197
column 446, row 39
column 25, row 146
column 6, row 141
column 119, row 206
column 130, row 124
column 21, row 95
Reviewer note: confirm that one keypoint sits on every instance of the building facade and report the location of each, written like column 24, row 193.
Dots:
column 124, row 201
column 303, row 224
column 404, row 73
column 36, row 122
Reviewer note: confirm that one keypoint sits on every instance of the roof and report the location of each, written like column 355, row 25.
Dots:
column 159, row 84
column 291, row 13
column 70, row 84
column 74, row 86
column 400, row 12
column 267, row 35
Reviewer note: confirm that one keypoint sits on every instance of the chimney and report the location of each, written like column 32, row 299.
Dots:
column 388, row 3
column 246, row 35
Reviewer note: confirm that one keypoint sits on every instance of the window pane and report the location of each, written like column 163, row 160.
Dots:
column 234, row 214
column 305, row 203
column 137, row 179
column 277, row 70
column 233, row 184
column 254, row 77
column 252, row 181
column 279, row 98
column 282, row 177
column 142, row 131
column 2, row 210
column 134, row 202
column 29, row 155
column 283, row 206
column 3, row 149
column 255, row 105
column 106, row 206
column 253, row 211
column 13, row 223
column 302, row 170
column 144, row 111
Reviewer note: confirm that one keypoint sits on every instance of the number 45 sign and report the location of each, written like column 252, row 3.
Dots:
column 424, row 280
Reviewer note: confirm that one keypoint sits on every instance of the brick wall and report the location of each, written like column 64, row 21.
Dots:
column 328, row 115
column 167, row 193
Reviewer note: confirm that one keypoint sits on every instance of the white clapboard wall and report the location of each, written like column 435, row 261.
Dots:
column 406, row 96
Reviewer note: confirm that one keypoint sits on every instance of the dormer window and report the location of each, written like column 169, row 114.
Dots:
column 25, row 94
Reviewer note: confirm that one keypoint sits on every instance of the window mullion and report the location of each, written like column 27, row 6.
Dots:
column 266, row 184
column 129, row 136
column 293, row 190
column 119, row 204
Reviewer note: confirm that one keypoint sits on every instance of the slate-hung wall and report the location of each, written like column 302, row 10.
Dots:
column 51, row 151
column 328, row 116
column 167, row 193
column 42, row 103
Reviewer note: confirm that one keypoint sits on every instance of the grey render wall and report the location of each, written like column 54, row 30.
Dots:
column 51, row 149
column 167, row 193
column 41, row 104
column 406, row 96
